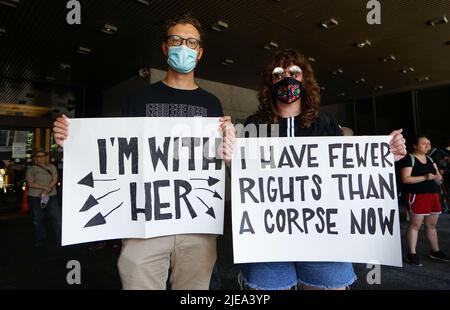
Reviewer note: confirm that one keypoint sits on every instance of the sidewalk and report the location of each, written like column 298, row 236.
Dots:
column 22, row 267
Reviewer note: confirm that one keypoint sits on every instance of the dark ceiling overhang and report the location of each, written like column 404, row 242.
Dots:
column 37, row 40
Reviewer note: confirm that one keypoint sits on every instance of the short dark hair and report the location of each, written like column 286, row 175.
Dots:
column 420, row 136
column 183, row 20
column 38, row 151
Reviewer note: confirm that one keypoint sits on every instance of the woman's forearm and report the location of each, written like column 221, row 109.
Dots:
column 414, row 180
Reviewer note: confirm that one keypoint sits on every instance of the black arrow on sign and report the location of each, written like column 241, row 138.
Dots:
column 211, row 180
column 216, row 194
column 99, row 219
column 92, row 201
column 210, row 211
column 89, row 180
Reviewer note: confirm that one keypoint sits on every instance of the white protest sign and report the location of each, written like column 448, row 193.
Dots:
column 141, row 178
column 315, row 199
column 18, row 150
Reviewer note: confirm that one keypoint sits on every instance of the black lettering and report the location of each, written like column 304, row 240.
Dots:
column 176, row 154
column 158, row 205
column 211, row 160
column 128, row 149
column 362, row 160
column 332, row 157
column 191, row 144
column 311, row 158
column 388, row 187
column 148, row 202
column 292, row 215
column 271, row 193
column 102, row 155
column 187, row 189
column 285, row 157
column 156, row 155
column 246, row 220
column 134, row 210
column 261, row 189
column 385, row 222
column 374, row 146
column 308, row 214
column 317, row 194
column 371, row 221
column 353, row 191
column 331, row 224
column 298, row 159
column 270, row 228
column 385, row 151
column 347, row 161
column 247, row 189
column 243, row 163
column 290, row 194
column 280, row 220
column 265, row 163
column 320, row 213
column 302, row 185
column 372, row 190
column 354, row 224
column 340, row 186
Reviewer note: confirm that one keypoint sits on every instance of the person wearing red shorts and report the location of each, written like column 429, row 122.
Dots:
column 421, row 180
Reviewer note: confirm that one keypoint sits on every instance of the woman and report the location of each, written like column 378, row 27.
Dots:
column 421, row 179
column 42, row 179
column 290, row 98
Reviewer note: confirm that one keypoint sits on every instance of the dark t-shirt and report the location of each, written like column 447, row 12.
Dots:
column 324, row 125
column 160, row 100
column 419, row 169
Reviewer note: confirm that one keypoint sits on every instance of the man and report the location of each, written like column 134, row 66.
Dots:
column 145, row 263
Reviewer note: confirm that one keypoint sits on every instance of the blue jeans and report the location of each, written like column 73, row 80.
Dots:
column 285, row 275
column 38, row 215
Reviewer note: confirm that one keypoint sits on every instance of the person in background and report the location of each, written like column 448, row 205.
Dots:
column 42, row 178
column 421, row 180
column 442, row 159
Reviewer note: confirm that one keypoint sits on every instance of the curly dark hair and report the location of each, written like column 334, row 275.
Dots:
column 184, row 19
column 310, row 100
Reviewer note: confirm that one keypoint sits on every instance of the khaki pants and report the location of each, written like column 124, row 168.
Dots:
column 144, row 263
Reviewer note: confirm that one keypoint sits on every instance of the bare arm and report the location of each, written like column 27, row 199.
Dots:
column 54, row 179
column 438, row 175
column 407, row 178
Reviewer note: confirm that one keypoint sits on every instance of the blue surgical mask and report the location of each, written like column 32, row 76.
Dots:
column 182, row 58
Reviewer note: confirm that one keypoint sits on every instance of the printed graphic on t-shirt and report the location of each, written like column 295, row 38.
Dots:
column 174, row 110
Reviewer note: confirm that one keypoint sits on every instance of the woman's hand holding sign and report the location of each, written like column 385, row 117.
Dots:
column 398, row 146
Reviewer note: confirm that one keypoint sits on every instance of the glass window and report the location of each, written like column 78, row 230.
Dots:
column 365, row 124
column 395, row 112
column 434, row 112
